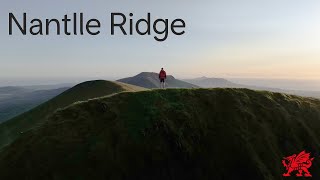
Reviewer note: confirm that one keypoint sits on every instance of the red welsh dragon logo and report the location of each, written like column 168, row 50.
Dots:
column 301, row 163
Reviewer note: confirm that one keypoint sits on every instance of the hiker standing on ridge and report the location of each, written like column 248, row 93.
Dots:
column 162, row 77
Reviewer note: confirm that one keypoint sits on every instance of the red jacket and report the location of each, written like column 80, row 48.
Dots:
column 162, row 74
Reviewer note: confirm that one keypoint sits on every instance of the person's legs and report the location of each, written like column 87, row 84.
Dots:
column 162, row 86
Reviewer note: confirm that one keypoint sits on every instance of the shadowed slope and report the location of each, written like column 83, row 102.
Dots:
column 81, row 92
column 169, row 134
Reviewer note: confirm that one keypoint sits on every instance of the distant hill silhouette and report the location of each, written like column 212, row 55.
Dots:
column 12, row 128
column 169, row 134
column 14, row 103
column 151, row 80
column 212, row 82
column 12, row 90
column 205, row 82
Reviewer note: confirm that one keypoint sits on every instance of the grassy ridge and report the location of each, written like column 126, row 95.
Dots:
column 81, row 92
column 169, row 134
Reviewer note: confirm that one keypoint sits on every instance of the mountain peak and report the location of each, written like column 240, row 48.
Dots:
column 152, row 74
column 211, row 82
column 201, row 78
column 151, row 80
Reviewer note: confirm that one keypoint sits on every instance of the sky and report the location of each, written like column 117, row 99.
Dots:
column 227, row 38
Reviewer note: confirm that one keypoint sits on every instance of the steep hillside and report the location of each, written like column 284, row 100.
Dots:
column 151, row 80
column 13, row 128
column 169, row 134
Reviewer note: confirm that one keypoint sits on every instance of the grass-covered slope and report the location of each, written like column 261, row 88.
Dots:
column 81, row 92
column 169, row 134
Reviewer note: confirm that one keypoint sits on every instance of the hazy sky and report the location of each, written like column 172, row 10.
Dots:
column 225, row 38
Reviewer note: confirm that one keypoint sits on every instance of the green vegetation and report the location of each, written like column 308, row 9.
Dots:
column 169, row 134
column 11, row 129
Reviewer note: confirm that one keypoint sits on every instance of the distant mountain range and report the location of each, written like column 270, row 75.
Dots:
column 151, row 80
column 205, row 82
column 16, row 100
